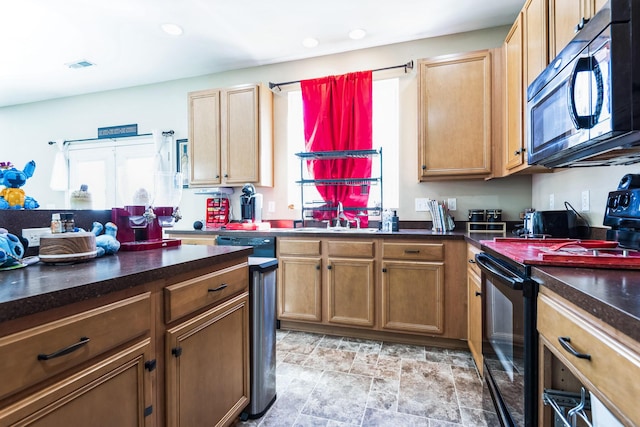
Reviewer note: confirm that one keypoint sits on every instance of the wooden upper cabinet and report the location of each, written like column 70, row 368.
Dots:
column 231, row 136
column 454, row 116
column 536, row 53
column 204, row 138
column 564, row 17
column 247, row 135
column 514, row 142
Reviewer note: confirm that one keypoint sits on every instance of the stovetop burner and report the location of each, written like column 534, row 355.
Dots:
column 566, row 252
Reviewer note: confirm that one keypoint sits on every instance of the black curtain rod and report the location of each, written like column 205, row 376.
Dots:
column 407, row 66
column 68, row 141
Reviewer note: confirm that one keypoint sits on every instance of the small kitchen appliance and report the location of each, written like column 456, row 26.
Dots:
column 557, row 223
column 144, row 215
column 582, row 110
column 250, row 204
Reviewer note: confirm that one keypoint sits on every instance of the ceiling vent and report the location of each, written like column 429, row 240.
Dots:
column 80, row 64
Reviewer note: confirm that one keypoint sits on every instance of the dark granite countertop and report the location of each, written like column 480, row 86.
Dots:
column 41, row 286
column 410, row 233
column 612, row 296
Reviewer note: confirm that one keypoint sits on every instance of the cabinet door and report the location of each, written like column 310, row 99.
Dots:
column 474, row 317
column 204, row 137
column 351, row 288
column 413, row 296
column 454, row 124
column 115, row 391
column 564, row 15
column 596, row 5
column 514, row 153
column 207, row 361
column 240, row 135
column 535, row 40
column 299, row 288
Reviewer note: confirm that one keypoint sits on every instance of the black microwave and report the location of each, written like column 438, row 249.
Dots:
column 584, row 108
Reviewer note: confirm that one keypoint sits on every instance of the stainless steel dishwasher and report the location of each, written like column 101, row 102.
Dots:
column 262, row 320
column 262, row 327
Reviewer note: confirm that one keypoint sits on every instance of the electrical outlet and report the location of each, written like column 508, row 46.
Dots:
column 422, row 205
column 552, row 201
column 585, row 201
column 271, row 207
column 452, row 204
column 33, row 235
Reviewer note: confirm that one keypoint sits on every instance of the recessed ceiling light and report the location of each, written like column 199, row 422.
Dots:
column 310, row 42
column 171, row 29
column 357, row 34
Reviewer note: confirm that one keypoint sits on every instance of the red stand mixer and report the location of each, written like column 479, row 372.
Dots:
column 143, row 217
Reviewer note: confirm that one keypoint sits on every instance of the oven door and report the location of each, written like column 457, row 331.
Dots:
column 509, row 344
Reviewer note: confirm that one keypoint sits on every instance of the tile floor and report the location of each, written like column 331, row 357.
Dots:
column 332, row 381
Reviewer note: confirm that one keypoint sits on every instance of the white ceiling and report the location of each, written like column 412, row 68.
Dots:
column 123, row 37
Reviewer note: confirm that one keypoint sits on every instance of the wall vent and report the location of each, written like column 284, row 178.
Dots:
column 80, row 64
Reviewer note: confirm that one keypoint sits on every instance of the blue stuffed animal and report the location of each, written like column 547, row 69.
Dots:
column 107, row 242
column 14, row 197
column 11, row 249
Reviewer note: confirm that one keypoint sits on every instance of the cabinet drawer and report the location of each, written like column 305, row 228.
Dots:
column 471, row 259
column 31, row 356
column 352, row 249
column 190, row 295
column 299, row 247
column 613, row 368
column 413, row 251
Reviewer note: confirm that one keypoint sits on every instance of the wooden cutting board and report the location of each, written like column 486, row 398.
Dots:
column 67, row 247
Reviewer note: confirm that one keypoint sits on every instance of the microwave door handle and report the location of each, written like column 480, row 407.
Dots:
column 590, row 64
column 486, row 262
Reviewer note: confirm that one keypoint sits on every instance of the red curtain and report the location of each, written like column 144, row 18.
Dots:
column 337, row 114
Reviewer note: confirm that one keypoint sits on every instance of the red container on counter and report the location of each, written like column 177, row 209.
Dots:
column 217, row 212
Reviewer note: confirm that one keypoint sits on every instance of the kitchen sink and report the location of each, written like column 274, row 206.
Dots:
column 335, row 230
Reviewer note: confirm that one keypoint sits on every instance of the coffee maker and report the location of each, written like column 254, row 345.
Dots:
column 144, row 215
column 250, row 204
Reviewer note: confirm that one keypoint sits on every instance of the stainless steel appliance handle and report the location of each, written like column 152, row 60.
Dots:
column 590, row 64
column 491, row 265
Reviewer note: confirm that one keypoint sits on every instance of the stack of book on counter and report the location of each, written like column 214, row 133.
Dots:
column 440, row 217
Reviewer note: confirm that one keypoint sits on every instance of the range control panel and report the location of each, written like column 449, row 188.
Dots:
column 623, row 209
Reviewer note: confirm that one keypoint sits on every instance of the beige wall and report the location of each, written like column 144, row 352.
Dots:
column 568, row 185
column 27, row 128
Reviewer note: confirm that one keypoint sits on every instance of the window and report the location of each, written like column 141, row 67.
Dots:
column 385, row 135
column 114, row 171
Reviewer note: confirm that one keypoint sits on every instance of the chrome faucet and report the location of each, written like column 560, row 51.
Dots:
column 340, row 216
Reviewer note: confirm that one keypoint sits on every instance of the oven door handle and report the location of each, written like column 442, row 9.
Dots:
column 489, row 264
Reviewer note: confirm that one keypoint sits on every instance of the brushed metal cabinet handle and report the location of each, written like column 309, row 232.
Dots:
column 64, row 351
column 565, row 343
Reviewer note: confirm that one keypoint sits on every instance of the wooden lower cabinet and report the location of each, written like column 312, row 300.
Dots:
column 384, row 287
column 578, row 350
column 173, row 352
column 351, row 291
column 207, row 366
column 413, row 296
column 300, row 289
column 192, row 239
column 474, row 311
column 113, row 392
